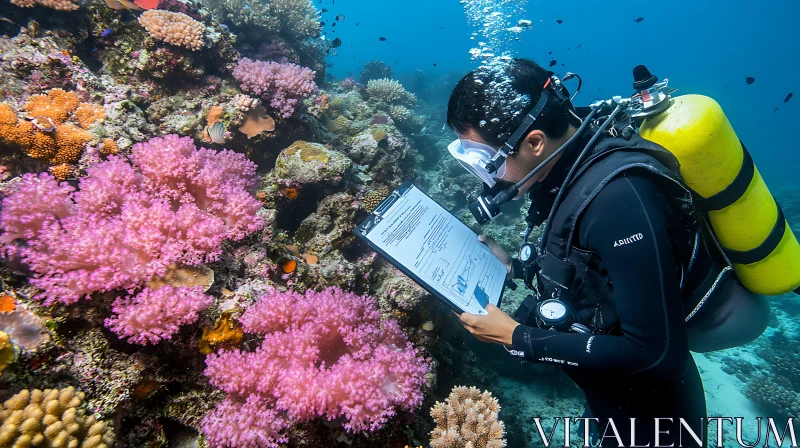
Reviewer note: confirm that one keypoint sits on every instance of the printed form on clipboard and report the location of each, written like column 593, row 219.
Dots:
column 434, row 248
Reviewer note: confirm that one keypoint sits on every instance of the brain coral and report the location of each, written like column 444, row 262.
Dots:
column 173, row 28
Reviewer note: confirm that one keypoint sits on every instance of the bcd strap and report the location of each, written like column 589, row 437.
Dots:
column 736, row 189
column 764, row 249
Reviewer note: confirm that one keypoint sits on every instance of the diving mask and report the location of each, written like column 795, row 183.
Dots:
column 478, row 158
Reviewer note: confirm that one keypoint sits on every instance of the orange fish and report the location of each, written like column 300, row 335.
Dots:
column 146, row 4
column 289, row 266
column 290, row 193
column 7, row 303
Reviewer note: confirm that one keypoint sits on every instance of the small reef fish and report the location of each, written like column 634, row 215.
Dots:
column 382, row 39
column 749, row 80
column 107, row 32
column 336, row 43
column 788, row 97
column 216, row 132
column 340, row 17
column 559, row 21
column 638, row 20
column 553, row 63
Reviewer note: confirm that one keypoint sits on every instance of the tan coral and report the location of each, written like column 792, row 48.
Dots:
column 373, row 198
column 52, row 417
column 88, row 114
column 245, row 103
column 468, row 418
column 61, row 5
column 214, row 115
column 173, row 28
column 256, row 122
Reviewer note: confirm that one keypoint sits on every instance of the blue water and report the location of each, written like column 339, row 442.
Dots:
column 705, row 47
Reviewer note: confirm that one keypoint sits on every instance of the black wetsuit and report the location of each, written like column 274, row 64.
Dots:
column 644, row 370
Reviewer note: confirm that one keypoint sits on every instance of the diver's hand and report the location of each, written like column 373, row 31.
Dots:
column 498, row 251
column 496, row 326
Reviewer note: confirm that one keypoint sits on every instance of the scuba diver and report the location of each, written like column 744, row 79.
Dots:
column 628, row 278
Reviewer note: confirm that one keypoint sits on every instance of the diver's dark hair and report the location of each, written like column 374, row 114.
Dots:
column 494, row 101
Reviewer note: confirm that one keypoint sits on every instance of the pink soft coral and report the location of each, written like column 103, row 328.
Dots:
column 283, row 85
column 324, row 354
column 128, row 222
column 153, row 315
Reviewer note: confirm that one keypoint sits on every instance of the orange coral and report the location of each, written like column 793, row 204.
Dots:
column 60, row 146
column 62, row 172
column 227, row 332
column 214, row 115
column 290, row 193
column 7, row 115
column 57, row 105
column 70, row 141
column 109, row 146
column 88, row 113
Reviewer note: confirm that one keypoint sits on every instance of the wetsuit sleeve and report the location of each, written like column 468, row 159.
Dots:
column 626, row 225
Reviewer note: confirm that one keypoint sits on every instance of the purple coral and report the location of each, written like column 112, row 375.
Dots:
column 153, row 315
column 324, row 354
column 128, row 222
column 283, row 85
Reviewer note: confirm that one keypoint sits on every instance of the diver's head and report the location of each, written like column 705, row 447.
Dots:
column 489, row 104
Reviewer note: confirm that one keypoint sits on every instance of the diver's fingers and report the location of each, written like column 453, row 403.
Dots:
column 468, row 319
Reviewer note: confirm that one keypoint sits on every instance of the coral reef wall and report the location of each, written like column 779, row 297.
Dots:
column 180, row 183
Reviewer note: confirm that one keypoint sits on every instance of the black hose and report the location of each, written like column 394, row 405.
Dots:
column 577, row 163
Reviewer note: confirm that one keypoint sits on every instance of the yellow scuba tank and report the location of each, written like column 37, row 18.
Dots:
column 746, row 220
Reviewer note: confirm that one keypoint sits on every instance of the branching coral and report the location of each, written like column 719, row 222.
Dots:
column 153, row 315
column 173, row 28
column 324, row 354
column 61, row 5
column 245, row 103
column 130, row 221
column 467, row 419
column 375, row 70
column 293, row 19
column 52, row 417
column 283, row 85
column 389, row 91
column 399, row 114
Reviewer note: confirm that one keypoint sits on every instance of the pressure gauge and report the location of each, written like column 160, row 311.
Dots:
column 553, row 312
column 526, row 252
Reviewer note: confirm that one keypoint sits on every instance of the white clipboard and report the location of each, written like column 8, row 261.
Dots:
column 435, row 249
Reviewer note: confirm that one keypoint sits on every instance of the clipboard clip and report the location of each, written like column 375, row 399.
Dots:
column 386, row 205
column 382, row 208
